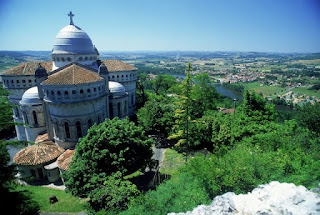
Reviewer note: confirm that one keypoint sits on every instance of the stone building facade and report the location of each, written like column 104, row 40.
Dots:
column 66, row 96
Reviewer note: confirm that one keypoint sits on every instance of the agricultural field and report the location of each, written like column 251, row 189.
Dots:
column 265, row 90
column 305, row 91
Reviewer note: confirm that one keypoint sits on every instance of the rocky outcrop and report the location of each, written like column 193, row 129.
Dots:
column 268, row 199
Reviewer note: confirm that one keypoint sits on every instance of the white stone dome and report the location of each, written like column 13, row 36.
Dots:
column 30, row 97
column 116, row 88
column 72, row 40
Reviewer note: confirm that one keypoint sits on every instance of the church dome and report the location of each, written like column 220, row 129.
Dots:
column 116, row 88
column 30, row 97
column 72, row 40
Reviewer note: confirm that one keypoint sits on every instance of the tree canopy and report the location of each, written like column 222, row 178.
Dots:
column 114, row 145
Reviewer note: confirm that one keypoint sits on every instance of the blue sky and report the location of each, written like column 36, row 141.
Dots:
column 200, row 25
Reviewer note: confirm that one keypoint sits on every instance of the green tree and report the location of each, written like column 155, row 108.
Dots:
column 157, row 115
column 17, row 202
column 6, row 120
column 309, row 117
column 182, row 113
column 256, row 107
column 162, row 83
column 176, row 195
column 114, row 145
column 204, row 95
column 113, row 194
column 142, row 84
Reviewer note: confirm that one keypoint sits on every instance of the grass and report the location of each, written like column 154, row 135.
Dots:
column 305, row 91
column 171, row 161
column 66, row 202
column 265, row 90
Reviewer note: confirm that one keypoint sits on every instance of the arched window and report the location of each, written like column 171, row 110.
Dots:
column 88, row 90
column 86, row 58
column 67, row 129
column 25, row 116
column 62, row 59
column 17, row 111
column 35, row 118
column 52, row 93
column 125, row 107
column 90, row 57
column 17, row 81
column 74, row 92
column 80, row 58
column 56, row 128
column 119, row 109
column 79, row 130
column 58, row 59
column 68, row 59
column 59, row 93
column 29, row 81
column 66, row 94
column 81, row 91
column 94, row 89
column 132, row 99
column 89, row 123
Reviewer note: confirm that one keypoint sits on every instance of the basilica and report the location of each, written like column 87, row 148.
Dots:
column 56, row 102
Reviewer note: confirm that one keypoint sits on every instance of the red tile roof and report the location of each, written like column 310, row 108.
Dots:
column 65, row 159
column 38, row 153
column 42, row 137
column 117, row 65
column 72, row 75
column 28, row 68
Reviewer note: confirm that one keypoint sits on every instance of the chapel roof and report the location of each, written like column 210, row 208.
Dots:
column 118, row 66
column 73, row 74
column 41, row 137
column 65, row 159
column 38, row 153
column 28, row 68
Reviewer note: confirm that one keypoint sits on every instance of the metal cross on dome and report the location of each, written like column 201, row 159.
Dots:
column 71, row 15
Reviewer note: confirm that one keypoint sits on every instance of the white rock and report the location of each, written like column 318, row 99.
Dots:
column 269, row 199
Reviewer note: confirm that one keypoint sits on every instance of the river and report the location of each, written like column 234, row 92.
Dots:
column 222, row 90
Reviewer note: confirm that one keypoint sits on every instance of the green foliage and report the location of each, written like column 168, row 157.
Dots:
column 157, row 115
column 162, row 83
column 17, row 202
column 204, row 95
column 176, row 195
column 6, row 170
column 113, row 193
column 6, row 121
column 255, row 106
column 114, row 145
column 309, row 117
column 182, row 113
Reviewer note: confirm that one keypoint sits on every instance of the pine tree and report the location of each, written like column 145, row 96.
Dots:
column 182, row 113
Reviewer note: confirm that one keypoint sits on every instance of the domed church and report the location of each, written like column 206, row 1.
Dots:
column 64, row 97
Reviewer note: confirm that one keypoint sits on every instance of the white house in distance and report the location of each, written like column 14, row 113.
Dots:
column 61, row 99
